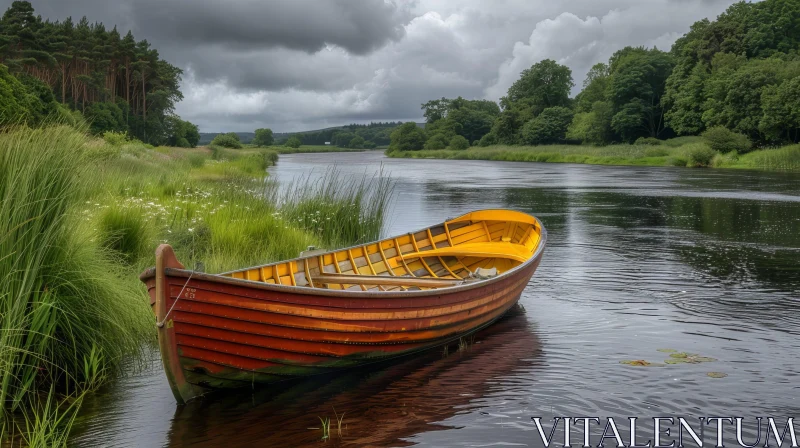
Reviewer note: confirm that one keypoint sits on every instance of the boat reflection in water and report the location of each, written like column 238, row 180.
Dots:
column 380, row 405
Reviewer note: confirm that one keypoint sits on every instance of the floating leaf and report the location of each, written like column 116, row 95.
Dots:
column 702, row 359
column 641, row 362
column 679, row 355
column 667, row 350
column 717, row 374
column 675, row 360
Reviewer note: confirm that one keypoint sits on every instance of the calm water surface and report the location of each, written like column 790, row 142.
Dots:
column 638, row 259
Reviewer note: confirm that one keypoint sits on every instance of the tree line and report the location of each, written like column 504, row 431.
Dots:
column 64, row 68
column 739, row 74
column 359, row 136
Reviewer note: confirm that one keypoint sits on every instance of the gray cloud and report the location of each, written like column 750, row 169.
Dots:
column 304, row 64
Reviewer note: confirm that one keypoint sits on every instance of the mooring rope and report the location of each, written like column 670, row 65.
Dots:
column 161, row 324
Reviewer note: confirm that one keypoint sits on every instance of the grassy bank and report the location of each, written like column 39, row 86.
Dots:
column 684, row 151
column 81, row 217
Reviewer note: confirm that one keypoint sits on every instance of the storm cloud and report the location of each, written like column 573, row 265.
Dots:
column 305, row 64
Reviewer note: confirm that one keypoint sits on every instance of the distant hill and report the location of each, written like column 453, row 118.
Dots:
column 377, row 132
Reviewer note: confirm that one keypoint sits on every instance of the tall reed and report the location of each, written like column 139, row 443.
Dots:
column 63, row 301
column 340, row 210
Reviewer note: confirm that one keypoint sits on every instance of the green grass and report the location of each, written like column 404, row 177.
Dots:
column 681, row 151
column 63, row 298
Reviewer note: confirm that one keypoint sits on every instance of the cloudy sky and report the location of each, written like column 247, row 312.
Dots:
column 296, row 65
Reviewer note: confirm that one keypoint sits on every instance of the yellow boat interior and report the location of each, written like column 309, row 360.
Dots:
column 472, row 247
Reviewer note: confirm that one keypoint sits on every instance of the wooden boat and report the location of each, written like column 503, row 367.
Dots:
column 334, row 310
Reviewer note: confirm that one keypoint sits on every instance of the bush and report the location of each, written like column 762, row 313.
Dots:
column 722, row 139
column 459, row 143
column 293, row 142
column 115, row 138
column 407, row 137
column 227, row 141
column 488, row 140
column 356, row 142
column 436, row 141
column 648, row 141
column 700, row 155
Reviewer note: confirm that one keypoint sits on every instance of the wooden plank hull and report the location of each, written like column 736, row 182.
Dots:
column 222, row 331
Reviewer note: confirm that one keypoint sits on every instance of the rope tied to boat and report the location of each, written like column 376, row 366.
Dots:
column 161, row 324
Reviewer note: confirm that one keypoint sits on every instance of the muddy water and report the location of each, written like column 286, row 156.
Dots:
column 638, row 259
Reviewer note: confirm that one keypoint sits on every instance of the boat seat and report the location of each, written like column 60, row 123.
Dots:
column 507, row 250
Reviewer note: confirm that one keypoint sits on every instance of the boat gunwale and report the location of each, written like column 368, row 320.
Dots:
column 291, row 289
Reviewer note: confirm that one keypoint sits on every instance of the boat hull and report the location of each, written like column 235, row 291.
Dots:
column 223, row 335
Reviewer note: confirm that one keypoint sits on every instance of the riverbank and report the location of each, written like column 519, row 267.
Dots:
column 305, row 149
column 683, row 152
column 81, row 217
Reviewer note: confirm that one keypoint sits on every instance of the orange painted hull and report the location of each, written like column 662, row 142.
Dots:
column 227, row 332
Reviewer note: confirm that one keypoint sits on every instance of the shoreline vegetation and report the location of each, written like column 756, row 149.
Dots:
column 679, row 152
column 81, row 218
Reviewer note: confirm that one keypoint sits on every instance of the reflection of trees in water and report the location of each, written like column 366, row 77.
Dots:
column 381, row 405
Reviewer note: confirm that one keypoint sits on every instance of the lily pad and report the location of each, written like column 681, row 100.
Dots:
column 641, row 363
column 717, row 374
column 667, row 350
column 675, row 360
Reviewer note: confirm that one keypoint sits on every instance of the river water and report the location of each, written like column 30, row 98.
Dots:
column 638, row 259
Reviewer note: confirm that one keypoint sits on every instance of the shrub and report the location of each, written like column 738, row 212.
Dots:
column 459, row 143
column 356, row 142
column 648, row 141
column 407, row 137
column 436, row 141
column 700, row 155
column 293, row 142
column 227, row 141
column 115, row 138
column 488, row 140
column 722, row 139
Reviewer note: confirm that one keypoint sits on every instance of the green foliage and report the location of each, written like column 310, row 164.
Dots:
column 293, row 142
column 459, row 143
column 546, row 84
column 104, row 117
column 781, row 106
column 196, row 160
column 594, row 88
column 181, row 133
column 227, row 141
column 356, row 142
column 487, row 140
column 724, row 140
column 407, row 137
column 637, row 84
column 592, row 127
column 115, row 138
column 14, row 102
column 700, row 155
column 263, row 137
column 437, row 141
column 471, row 119
column 549, row 127
column 648, row 141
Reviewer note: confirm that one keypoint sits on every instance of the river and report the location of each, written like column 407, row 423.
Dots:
column 638, row 259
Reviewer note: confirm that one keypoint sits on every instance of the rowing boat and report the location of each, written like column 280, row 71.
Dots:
column 327, row 311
